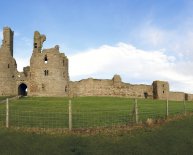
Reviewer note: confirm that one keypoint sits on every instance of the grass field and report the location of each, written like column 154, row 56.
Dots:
column 87, row 112
column 170, row 139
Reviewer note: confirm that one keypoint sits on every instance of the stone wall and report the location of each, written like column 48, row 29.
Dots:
column 176, row 96
column 114, row 87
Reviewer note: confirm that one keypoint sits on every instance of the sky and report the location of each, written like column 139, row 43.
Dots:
column 141, row 40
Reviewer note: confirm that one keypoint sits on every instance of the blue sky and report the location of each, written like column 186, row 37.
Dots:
column 142, row 40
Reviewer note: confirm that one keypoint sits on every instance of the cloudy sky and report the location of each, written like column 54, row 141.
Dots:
column 141, row 40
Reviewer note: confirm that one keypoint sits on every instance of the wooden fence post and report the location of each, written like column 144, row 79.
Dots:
column 70, row 115
column 167, row 109
column 136, row 112
column 7, row 113
column 184, row 108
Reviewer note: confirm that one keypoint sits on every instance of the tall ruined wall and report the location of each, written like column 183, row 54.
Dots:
column 48, row 70
column 176, row 96
column 8, row 66
column 114, row 87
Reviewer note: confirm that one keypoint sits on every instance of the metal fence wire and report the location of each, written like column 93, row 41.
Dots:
column 83, row 114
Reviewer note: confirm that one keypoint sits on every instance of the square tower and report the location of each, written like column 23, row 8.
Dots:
column 160, row 90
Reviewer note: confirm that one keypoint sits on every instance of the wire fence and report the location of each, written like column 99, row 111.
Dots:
column 77, row 114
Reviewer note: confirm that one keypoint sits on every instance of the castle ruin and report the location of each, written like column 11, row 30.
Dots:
column 48, row 75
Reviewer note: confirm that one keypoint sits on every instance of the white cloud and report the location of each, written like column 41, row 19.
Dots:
column 131, row 63
column 177, row 41
column 113, row 59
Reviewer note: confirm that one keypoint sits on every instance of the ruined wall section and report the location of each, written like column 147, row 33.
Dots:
column 114, row 87
column 91, row 87
column 8, row 66
column 38, row 42
column 176, row 96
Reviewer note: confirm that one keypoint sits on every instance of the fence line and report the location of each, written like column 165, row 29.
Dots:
column 167, row 109
column 184, row 108
column 10, row 98
column 7, row 113
column 136, row 112
column 70, row 116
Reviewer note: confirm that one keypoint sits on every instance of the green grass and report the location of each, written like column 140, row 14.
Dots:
column 4, row 97
column 87, row 112
column 170, row 139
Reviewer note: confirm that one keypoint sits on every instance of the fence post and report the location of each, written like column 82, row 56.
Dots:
column 136, row 112
column 70, row 115
column 184, row 107
column 167, row 109
column 7, row 113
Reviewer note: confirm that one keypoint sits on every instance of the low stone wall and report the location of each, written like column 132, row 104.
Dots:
column 96, row 87
column 176, row 96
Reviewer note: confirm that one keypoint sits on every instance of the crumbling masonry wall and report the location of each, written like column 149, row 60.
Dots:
column 176, row 96
column 114, row 87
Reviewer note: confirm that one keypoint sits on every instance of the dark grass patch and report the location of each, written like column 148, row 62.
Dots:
column 175, row 137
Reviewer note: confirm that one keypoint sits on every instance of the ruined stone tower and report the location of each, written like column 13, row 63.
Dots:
column 8, row 66
column 7, row 43
column 48, row 70
column 160, row 90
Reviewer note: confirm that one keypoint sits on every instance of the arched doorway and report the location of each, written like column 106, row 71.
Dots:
column 22, row 89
